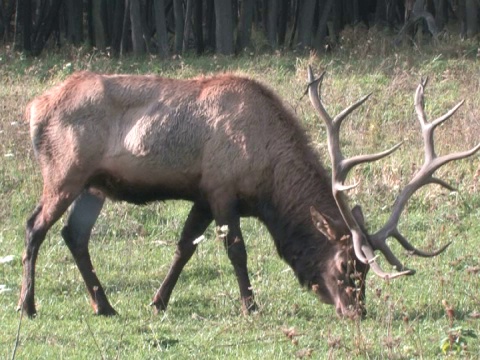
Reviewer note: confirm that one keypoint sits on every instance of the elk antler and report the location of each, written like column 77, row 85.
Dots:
column 423, row 177
column 364, row 247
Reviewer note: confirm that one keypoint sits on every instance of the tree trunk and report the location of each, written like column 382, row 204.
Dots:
column 117, row 26
column 283, row 21
column 356, row 11
column 381, row 13
column 210, row 24
column 471, row 7
column 198, row 26
column 188, row 25
column 461, row 13
column 161, row 28
column 295, row 23
column 441, row 13
column 46, row 27
column 126, row 41
column 224, row 26
column 179, row 25
column 272, row 19
column 245, row 25
column 305, row 20
column 138, row 41
column 73, row 14
column 27, row 25
column 337, row 22
column 99, row 24
column 7, row 15
column 320, row 35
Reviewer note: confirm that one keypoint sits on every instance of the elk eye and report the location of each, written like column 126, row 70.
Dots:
column 343, row 266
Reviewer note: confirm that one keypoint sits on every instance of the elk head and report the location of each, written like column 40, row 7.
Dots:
column 359, row 242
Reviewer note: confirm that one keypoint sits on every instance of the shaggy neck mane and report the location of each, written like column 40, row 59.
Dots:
column 287, row 217
column 299, row 182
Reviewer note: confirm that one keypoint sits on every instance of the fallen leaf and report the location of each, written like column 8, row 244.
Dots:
column 7, row 259
column 473, row 269
column 474, row 315
column 290, row 332
column 304, row 353
column 4, row 289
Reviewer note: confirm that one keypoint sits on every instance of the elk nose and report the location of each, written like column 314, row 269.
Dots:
column 351, row 312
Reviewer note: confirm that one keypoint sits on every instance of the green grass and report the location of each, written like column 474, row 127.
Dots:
column 132, row 246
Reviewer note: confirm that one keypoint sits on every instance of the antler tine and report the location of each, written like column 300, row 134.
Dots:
column 349, row 163
column 423, row 177
column 313, row 90
column 340, row 169
column 378, row 270
column 414, row 251
column 344, row 113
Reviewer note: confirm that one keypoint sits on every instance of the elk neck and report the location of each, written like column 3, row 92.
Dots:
column 300, row 181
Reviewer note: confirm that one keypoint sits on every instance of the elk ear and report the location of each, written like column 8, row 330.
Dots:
column 324, row 224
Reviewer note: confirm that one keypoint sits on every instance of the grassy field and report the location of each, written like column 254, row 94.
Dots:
column 408, row 318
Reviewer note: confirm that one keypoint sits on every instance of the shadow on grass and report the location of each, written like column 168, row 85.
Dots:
column 164, row 343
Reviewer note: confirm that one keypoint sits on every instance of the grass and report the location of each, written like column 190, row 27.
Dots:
column 132, row 246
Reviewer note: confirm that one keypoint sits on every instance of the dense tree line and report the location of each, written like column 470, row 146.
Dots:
column 167, row 27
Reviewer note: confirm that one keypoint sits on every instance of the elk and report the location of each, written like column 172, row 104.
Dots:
column 228, row 145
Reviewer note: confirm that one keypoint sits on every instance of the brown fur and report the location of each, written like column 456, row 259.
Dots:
column 226, row 143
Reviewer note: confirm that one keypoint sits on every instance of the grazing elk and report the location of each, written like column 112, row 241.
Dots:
column 228, row 145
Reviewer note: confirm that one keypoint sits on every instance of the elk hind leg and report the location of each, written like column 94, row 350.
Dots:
column 50, row 208
column 76, row 233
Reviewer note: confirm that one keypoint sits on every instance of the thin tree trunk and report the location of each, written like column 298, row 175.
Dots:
column 198, row 26
column 27, row 25
column 471, row 7
column 295, row 23
column 336, row 21
column 188, row 25
column 283, row 21
column 224, row 26
column 73, row 14
column 126, row 38
column 161, row 28
column 99, row 26
column 138, row 41
column 117, row 26
column 210, row 24
column 441, row 13
column 46, row 28
column 245, row 25
column 179, row 25
column 272, row 18
column 321, row 33
column 306, row 24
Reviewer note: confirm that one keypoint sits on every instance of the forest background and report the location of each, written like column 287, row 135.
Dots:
column 227, row 27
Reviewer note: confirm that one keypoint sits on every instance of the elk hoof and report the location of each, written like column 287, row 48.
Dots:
column 249, row 305
column 159, row 306
column 105, row 311
column 28, row 309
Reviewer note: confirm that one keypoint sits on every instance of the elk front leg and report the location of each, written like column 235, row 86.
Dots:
column 76, row 233
column 237, row 254
column 226, row 213
column 197, row 222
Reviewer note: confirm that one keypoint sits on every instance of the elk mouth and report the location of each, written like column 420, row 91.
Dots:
column 351, row 311
column 349, row 301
